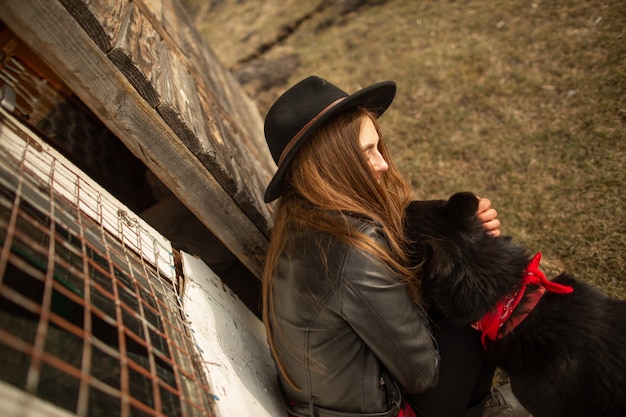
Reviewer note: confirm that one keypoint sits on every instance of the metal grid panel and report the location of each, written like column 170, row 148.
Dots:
column 89, row 315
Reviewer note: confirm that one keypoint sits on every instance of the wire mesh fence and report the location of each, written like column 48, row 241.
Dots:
column 90, row 318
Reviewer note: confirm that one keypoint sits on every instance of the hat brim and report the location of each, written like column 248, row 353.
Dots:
column 375, row 98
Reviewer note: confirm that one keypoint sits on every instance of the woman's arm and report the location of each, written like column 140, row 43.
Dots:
column 376, row 304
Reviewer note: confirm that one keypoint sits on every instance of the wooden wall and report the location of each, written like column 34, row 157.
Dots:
column 143, row 69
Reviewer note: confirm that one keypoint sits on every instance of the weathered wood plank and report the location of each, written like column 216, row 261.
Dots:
column 153, row 67
column 156, row 47
column 135, row 52
column 99, row 18
column 48, row 28
column 179, row 104
column 240, row 160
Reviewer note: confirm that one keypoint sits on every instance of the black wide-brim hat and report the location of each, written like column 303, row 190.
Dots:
column 305, row 107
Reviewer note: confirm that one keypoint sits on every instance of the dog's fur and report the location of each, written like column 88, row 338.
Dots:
column 567, row 358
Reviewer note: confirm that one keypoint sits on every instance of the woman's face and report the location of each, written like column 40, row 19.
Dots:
column 368, row 138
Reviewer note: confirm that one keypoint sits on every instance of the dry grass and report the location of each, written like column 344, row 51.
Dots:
column 522, row 102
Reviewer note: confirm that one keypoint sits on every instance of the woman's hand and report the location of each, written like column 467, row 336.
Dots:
column 487, row 216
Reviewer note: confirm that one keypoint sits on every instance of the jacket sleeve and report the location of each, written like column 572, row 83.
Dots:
column 376, row 304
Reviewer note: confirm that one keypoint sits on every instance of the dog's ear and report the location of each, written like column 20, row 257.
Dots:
column 461, row 207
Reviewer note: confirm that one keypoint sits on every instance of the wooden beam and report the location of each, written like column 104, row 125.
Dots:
column 48, row 28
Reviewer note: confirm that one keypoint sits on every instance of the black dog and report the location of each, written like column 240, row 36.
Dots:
column 566, row 356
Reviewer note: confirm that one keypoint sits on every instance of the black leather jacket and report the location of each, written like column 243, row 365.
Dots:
column 341, row 319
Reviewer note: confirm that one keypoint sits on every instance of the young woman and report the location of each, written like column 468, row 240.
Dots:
column 340, row 304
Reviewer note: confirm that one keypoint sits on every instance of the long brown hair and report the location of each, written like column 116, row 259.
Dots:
column 329, row 179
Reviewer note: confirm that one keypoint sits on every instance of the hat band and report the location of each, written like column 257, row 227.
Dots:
column 293, row 141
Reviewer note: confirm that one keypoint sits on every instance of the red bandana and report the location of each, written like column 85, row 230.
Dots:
column 496, row 324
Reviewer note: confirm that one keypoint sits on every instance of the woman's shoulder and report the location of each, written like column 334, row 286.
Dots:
column 364, row 223
column 372, row 229
column 332, row 244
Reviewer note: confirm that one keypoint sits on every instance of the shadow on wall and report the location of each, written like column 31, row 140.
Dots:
column 179, row 225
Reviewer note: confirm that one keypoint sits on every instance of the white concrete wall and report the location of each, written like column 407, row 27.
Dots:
column 233, row 345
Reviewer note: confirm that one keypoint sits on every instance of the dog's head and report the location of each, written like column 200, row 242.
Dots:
column 465, row 270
